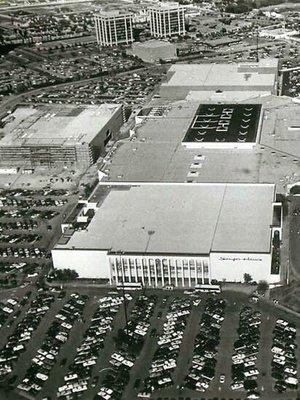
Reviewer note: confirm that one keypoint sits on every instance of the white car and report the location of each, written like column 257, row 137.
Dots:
column 144, row 395
column 277, row 350
column 291, row 380
column 282, row 322
column 237, row 386
column 251, row 373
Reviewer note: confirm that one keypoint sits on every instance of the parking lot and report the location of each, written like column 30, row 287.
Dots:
column 175, row 346
column 295, row 235
column 29, row 224
column 291, row 83
column 132, row 89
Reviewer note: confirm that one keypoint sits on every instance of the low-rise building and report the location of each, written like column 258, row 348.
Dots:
column 154, row 50
column 260, row 77
column 180, row 234
column 46, row 135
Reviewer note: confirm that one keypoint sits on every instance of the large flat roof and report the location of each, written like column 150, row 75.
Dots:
column 230, row 123
column 181, row 219
column 235, row 96
column 59, row 125
column 166, row 6
column 155, row 153
column 207, row 76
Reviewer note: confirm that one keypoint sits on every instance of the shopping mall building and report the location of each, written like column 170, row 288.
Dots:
column 178, row 234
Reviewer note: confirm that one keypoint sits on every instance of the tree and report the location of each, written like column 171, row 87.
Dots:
column 262, row 287
column 247, row 278
column 250, row 384
column 65, row 275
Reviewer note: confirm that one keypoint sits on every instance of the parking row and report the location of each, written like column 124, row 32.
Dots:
column 28, row 213
column 246, row 347
column 20, row 238
column 169, row 341
column 202, row 370
column 17, row 341
column 29, row 203
column 80, row 371
column 33, row 193
column 24, row 252
column 7, row 308
column 57, row 334
column 18, row 226
column 284, row 362
column 129, row 343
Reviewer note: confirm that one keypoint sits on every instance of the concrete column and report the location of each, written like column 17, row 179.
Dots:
column 126, row 31
column 149, row 275
column 150, row 16
column 155, row 274
column 162, row 274
column 190, row 280
column 182, row 278
column 143, row 277
column 209, row 273
column 169, row 269
column 115, row 41
column 116, row 268
column 102, row 33
column 196, row 272
column 110, row 272
column 131, row 33
column 175, row 268
column 129, row 269
column 106, row 41
column 122, row 269
column 136, row 270
column 96, row 28
column 160, row 25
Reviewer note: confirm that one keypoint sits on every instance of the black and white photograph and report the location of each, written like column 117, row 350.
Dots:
column 149, row 199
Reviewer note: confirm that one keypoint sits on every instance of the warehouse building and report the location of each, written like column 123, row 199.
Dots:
column 179, row 234
column 51, row 134
column 260, row 77
column 164, row 147
column 153, row 51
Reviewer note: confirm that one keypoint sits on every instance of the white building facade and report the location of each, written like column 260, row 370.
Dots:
column 181, row 235
column 113, row 28
column 167, row 20
column 161, row 270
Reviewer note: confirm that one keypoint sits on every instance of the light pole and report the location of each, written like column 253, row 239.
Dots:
column 150, row 233
column 123, row 292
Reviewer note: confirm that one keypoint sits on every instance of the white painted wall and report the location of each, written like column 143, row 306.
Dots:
column 87, row 263
column 219, row 145
column 232, row 267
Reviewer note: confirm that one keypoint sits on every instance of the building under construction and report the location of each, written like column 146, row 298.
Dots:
column 51, row 134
